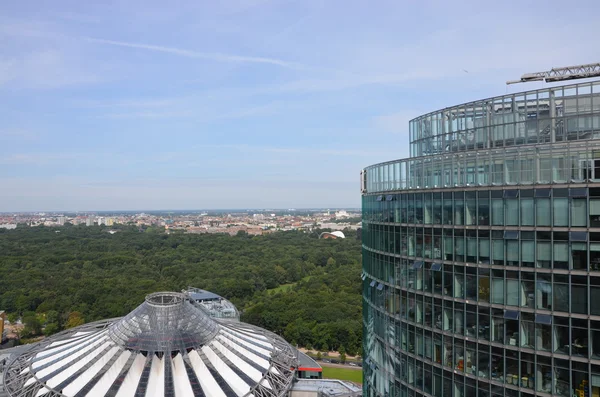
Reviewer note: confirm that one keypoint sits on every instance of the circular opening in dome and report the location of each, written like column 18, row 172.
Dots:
column 165, row 298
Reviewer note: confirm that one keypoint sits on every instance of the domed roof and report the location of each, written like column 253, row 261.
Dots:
column 337, row 234
column 167, row 346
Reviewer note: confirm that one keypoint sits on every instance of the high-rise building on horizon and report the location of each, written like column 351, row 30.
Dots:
column 481, row 252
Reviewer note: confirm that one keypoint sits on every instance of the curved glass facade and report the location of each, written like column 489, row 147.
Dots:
column 481, row 253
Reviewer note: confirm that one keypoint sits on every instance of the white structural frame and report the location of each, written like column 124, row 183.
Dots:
column 561, row 74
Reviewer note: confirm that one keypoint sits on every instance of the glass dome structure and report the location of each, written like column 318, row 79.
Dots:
column 167, row 346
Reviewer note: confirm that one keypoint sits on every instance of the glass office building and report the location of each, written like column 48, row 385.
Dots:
column 481, row 252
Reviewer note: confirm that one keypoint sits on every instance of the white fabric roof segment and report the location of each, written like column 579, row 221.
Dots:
column 30, row 381
column 62, row 376
column 132, row 378
column 67, row 358
column 181, row 381
column 207, row 382
column 109, row 377
column 82, row 380
column 233, row 380
column 238, row 362
column 249, row 332
column 248, row 354
column 250, row 336
column 156, row 380
column 42, row 391
column 72, row 339
column 79, row 333
column 69, row 350
column 249, row 345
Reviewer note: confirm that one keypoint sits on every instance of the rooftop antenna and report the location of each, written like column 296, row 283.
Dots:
column 561, row 74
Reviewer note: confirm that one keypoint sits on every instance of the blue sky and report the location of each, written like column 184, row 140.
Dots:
column 247, row 103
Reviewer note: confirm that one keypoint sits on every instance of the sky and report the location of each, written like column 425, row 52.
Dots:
column 132, row 105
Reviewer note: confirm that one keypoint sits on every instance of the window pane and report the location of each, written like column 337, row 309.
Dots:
column 527, row 251
column 498, row 249
column 497, row 212
column 527, row 214
column 578, row 212
column 542, row 212
column 512, row 212
column 561, row 211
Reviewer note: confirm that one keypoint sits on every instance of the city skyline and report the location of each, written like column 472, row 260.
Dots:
column 249, row 103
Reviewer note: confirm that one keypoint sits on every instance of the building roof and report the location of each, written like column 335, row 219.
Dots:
column 201, row 295
column 306, row 363
column 337, row 234
column 327, row 387
column 215, row 305
column 169, row 345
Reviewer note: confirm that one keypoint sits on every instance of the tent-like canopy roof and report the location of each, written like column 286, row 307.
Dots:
column 167, row 346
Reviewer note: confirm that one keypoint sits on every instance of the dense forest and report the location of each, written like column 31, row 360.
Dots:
column 303, row 288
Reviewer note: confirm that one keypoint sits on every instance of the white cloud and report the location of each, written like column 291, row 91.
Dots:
column 218, row 57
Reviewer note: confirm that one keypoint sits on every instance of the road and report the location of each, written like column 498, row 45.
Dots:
column 322, row 364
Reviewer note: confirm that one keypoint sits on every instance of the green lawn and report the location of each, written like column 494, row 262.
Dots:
column 354, row 375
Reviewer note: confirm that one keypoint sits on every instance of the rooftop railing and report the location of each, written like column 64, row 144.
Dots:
column 564, row 162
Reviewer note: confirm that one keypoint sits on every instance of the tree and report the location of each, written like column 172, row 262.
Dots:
column 51, row 329
column 75, row 319
column 342, row 352
column 33, row 326
column 319, row 356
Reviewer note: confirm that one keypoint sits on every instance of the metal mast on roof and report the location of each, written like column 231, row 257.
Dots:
column 560, row 74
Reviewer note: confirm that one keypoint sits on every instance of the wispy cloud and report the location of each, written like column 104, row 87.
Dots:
column 18, row 135
column 217, row 57
column 395, row 122
column 45, row 69
column 38, row 158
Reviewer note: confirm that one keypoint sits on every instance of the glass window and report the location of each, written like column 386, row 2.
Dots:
column 483, row 213
column 561, row 255
column 511, row 208
column 484, row 285
column 594, row 212
column 578, row 236
column 543, row 292
column 578, row 212
column 471, row 208
column 497, row 212
column 527, row 253
column 527, row 212
column 498, row 286
column 561, row 293
column 579, row 296
column 512, row 288
column 542, row 212
column 560, row 337
column 561, row 211
column 579, row 256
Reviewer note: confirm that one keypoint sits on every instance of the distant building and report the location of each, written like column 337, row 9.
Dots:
column 216, row 305
column 332, row 235
column 8, row 226
column 89, row 221
column 341, row 214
